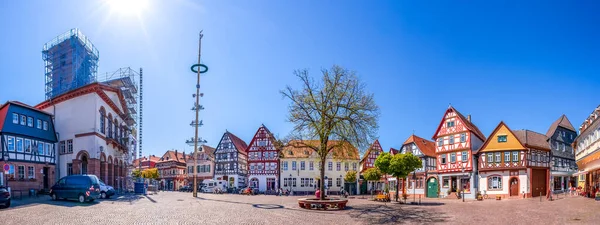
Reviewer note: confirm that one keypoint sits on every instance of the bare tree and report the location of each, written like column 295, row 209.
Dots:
column 336, row 109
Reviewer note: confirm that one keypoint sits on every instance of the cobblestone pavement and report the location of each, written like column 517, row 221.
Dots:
column 182, row 208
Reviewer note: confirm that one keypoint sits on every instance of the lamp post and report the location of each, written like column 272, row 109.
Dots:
column 342, row 185
column 414, row 185
column 325, row 184
column 290, row 183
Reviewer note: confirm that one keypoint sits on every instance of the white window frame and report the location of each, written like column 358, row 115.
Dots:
column 9, row 140
column 30, row 121
column 490, row 158
column 26, row 146
column 354, row 166
column 19, row 172
column 38, row 125
column 338, row 166
column 463, row 138
column 453, row 157
column 16, row 118
column 31, row 172
column 451, row 139
column 515, row 156
column 507, row 153
column 443, row 159
column 23, row 120
column 464, row 156
column 498, row 157
column 330, row 166
column 45, row 124
column 19, row 144
column 494, row 186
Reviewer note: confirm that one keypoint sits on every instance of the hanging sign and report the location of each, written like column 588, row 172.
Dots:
column 6, row 168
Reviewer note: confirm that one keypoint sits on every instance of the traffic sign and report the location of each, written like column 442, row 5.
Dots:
column 6, row 167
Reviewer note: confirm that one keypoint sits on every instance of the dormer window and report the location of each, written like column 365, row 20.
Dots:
column 305, row 152
column 502, row 138
column 290, row 152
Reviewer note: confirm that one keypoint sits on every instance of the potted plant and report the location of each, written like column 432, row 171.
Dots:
column 479, row 196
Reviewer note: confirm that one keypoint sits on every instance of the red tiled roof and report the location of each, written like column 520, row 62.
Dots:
column 210, row 151
column 295, row 149
column 532, row 139
column 564, row 122
column 394, row 151
column 173, row 156
column 239, row 144
column 427, row 147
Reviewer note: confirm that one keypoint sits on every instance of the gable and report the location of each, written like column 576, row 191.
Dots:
column 493, row 144
column 114, row 98
column 262, row 140
column 373, row 151
column 454, row 122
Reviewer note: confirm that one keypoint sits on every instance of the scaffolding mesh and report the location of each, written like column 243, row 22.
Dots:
column 70, row 61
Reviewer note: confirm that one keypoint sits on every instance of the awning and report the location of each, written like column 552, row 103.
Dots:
column 579, row 173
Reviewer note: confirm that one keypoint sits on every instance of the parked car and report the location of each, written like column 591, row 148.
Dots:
column 209, row 186
column 185, row 189
column 106, row 191
column 81, row 187
column 4, row 197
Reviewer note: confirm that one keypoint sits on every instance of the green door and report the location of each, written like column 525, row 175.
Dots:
column 432, row 188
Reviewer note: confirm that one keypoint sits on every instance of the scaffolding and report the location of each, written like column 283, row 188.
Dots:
column 70, row 61
column 126, row 80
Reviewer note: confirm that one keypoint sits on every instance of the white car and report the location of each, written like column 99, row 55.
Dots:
column 106, row 191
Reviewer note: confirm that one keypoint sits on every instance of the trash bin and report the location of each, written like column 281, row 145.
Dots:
column 140, row 188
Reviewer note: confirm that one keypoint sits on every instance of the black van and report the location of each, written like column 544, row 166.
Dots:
column 81, row 187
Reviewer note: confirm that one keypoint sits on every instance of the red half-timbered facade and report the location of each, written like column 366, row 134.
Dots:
column 367, row 162
column 263, row 161
column 457, row 140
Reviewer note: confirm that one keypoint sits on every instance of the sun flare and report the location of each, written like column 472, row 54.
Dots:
column 128, row 7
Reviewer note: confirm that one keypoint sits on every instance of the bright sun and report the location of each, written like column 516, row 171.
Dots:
column 128, row 7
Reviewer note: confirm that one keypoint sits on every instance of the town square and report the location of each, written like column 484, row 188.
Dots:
column 302, row 112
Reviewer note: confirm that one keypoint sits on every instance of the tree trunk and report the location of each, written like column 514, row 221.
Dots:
column 322, row 188
column 397, row 187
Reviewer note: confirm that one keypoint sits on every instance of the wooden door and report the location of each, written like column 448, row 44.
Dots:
column 432, row 188
column 514, row 187
column 538, row 182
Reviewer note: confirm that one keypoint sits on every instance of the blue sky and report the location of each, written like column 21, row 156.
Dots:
column 524, row 63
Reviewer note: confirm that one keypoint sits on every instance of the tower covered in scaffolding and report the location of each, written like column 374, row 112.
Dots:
column 71, row 61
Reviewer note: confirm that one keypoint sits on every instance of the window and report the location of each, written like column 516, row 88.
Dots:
column 302, row 165
column 27, row 146
column 15, row 118
column 30, row 121
column 562, row 146
column 38, row 124
column 47, row 149
column 564, row 134
column 293, row 165
column 338, row 166
column 294, row 182
column 354, row 166
column 11, row 172
column 451, row 140
column 338, row 182
column 19, row 144
column 61, row 147
column 30, row 172
column 45, row 125
column 506, row 156
column 330, row 166
column 490, row 157
column 21, row 172
column 285, row 182
column 465, row 156
column 329, row 182
column 40, row 148
column 11, row 143
column 450, row 124
column 285, row 165
column 23, row 118
column 453, row 157
column 445, row 182
column 443, row 156
column 495, row 183
column 346, row 166
column 463, row 138
column 498, row 157
column 302, row 182
column 501, row 138
column 251, row 166
column 440, row 142
column 70, row 146
column 515, row 156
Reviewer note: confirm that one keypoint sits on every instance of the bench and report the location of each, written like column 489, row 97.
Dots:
column 306, row 203
column 383, row 198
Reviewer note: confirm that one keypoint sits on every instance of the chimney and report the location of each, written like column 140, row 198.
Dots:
column 469, row 117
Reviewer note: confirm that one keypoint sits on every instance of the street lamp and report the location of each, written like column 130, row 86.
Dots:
column 290, row 182
column 325, row 185
column 414, row 185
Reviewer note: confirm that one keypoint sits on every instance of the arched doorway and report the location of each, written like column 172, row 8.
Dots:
column 102, row 166
column 514, row 186
column 84, row 164
column 432, row 188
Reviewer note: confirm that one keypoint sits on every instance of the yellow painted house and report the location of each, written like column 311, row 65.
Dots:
column 506, row 167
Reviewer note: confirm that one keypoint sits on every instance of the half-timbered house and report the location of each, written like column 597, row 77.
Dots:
column 263, row 161
column 561, row 136
column 514, row 163
column 27, row 146
column 457, row 140
column 172, row 170
column 416, row 182
column 231, row 161
column 367, row 162
column 205, row 165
